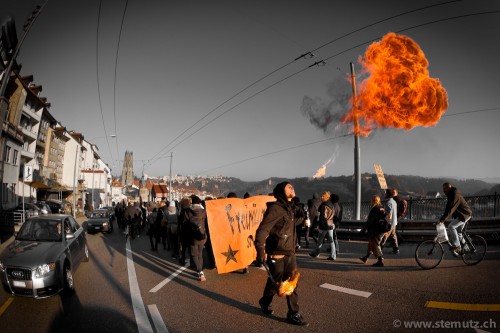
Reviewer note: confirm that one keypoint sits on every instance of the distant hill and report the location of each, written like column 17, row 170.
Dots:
column 413, row 186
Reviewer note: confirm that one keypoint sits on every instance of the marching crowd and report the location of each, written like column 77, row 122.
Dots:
column 181, row 227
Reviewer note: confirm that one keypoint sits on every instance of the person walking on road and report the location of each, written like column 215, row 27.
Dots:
column 375, row 234
column 312, row 208
column 326, row 226
column 460, row 211
column 276, row 237
column 197, row 217
column 153, row 229
column 173, row 228
column 391, row 210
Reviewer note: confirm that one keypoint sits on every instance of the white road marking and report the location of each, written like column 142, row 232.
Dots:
column 157, row 320
column 346, row 290
column 168, row 279
column 141, row 317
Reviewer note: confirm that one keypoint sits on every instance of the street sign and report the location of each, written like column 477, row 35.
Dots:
column 28, row 173
column 380, row 176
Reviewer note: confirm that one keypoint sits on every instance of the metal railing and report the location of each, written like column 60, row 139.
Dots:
column 484, row 206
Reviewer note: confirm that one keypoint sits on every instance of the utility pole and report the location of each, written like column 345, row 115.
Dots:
column 170, row 179
column 74, row 179
column 357, row 174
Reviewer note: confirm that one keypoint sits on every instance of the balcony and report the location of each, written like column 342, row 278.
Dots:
column 29, row 133
column 29, row 112
column 27, row 154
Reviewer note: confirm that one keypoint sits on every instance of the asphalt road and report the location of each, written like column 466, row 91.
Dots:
column 150, row 292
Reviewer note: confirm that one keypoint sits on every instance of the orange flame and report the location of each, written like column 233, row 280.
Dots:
column 321, row 171
column 399, row 92
column 287, row 287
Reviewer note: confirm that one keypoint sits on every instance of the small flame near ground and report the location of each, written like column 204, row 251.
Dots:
column 398, row 92
column 287, row 287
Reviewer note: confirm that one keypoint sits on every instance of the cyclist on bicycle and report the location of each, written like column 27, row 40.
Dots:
column 459, row 210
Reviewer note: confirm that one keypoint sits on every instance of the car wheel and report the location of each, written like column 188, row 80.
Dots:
column 69, row 283
column 86, row 256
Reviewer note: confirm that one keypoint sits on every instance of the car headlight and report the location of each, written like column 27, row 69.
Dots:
column 105, row 224
column 44, row 269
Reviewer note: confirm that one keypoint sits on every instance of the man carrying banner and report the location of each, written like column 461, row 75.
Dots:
column 276, row 237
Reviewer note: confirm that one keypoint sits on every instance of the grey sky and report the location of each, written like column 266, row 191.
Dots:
column 179, row 60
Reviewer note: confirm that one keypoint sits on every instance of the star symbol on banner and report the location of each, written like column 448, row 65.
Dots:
column 230, row 254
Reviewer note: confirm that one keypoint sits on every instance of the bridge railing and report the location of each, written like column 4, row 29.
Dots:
column 422, row 214
column 484, row 206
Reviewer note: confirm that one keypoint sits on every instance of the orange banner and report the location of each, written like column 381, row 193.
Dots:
column 231, row 221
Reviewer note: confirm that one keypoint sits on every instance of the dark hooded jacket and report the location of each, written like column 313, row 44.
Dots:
column 456, row 206
column 276, row 234
column 313, row 206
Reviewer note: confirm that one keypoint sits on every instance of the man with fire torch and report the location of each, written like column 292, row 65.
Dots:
column 276, row 237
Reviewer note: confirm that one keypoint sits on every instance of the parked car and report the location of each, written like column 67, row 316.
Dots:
column 42, row 258
column 111, row 211
column 59, row 207
column 99, row 220
column 44, row 208
column 30, row 210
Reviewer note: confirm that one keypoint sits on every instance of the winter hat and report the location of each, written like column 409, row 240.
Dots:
column 279, row 191
column 195, row 200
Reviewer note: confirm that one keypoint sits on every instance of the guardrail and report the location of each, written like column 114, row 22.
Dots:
column 483, row 206
column 415, row 230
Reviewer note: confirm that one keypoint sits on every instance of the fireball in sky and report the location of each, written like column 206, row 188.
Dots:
column 398, row 92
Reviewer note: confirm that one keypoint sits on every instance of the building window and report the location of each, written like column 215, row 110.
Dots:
column 14, row 160
column 7, row 154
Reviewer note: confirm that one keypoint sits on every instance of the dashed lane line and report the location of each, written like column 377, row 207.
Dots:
column 462, row 306
column 355, row 292
column 168, row 279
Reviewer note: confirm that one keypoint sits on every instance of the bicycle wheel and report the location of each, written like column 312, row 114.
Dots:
column 473, row 253
column 429, row 254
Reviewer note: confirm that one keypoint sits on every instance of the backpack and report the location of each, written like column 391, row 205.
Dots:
column 383, row 224
column 403, row 205
column 197, row 225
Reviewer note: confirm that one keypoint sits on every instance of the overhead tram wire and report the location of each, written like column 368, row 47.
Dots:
column 324, row 140
column 467, row 112
column 116, row 69
column 309, row 54
column 275, row 152
column 155, row 158
column 97, row 69
column 318, row 63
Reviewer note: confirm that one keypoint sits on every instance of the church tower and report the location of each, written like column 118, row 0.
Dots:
column 128, row 169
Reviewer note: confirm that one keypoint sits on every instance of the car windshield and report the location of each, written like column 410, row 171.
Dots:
column 99, row 214
column 40, row 230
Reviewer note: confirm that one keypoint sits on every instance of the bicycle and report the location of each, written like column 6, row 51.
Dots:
column 429, row 253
